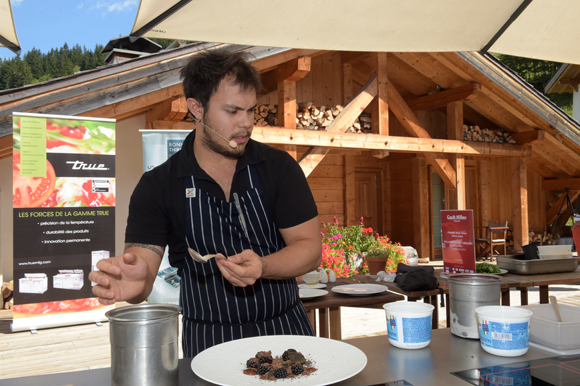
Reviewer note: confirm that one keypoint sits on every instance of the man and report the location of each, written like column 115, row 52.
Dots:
column 226, row 194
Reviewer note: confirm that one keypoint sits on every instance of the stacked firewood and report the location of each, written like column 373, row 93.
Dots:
column 7, row 289
column 311, row 117
column 266, row 115
column 474, row 133
column 544, row 238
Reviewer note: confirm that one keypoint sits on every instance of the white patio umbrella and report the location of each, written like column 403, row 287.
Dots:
column 8, row 36
column 541, row 29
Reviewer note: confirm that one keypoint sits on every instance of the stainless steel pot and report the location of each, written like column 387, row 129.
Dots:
column 144, row 345
column 467, row 291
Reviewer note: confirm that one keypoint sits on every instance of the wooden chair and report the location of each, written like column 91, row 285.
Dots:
column 496, row 235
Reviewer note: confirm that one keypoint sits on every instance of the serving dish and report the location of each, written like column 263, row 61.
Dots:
column 516, row 264
column 224, row 363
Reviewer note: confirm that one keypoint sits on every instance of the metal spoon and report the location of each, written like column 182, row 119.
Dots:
column 554, row 303
column 199, row 258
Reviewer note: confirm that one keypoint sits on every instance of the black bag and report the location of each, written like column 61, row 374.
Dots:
column 416, row 278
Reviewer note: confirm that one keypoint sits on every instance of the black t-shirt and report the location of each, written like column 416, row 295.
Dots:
column 157, row 210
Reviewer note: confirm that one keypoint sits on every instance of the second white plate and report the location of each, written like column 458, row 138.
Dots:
column 360, row 289
column 307, row 293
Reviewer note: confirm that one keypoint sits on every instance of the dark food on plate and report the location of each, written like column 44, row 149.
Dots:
column 486, row 268
column 290, row 365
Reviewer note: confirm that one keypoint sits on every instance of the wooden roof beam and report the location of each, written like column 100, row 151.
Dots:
column 572, row 82
column 529, row 137
column 350, row 141
column 442, row 98
column 292, row 71
column 561, row 184
column 380, row 105
column 410, row 122
column 282, row 136
column 343, row 121
column 350, row 57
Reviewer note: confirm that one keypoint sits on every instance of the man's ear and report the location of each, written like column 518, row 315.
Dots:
column 195, row 108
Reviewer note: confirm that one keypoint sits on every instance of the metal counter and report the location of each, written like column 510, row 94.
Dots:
column 431, row 366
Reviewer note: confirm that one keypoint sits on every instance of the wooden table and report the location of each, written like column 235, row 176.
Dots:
column 328, row 307
column 427, row 296
column 543, row 281
column 508, row 281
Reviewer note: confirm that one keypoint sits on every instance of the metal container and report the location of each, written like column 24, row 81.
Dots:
column 516, row 264
column 467, row 291
column 144, row 345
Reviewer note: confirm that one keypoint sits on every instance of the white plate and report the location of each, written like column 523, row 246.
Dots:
column 335, row 360
column 501, row 272
column 307, row 293
column 319, row 285
column 359, row 289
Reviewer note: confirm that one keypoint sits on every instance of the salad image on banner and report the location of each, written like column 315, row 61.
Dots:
column 158, row 146
column 63, row 198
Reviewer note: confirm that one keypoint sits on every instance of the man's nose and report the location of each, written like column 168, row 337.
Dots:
column 247, row 120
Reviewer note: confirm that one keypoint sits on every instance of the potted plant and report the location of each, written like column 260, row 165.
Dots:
column 377, row 258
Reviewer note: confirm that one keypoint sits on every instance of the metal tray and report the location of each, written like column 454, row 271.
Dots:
column 517, row 264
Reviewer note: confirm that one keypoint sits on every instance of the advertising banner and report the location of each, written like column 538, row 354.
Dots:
column 458, row 243
column 158, row 146
column 63, row 198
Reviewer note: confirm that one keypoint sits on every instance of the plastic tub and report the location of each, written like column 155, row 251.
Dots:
column 547, row 331
column 551, row 250
column 504, row 331
column 409, row 324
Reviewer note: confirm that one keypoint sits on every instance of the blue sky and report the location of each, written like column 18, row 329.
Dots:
column 46, row 24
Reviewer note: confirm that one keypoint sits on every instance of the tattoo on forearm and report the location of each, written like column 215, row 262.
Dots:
column 154, row 248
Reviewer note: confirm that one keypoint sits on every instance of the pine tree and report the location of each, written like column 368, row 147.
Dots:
column 538, row 73
column 34, row 60
column 36, row 66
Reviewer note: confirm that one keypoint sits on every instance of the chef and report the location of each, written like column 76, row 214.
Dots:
column 224, row 194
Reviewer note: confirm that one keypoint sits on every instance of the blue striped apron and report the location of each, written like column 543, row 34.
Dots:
column 214, row 310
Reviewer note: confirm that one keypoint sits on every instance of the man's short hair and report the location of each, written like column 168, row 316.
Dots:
column 204, row 72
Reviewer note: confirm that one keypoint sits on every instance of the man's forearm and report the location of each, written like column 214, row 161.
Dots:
column 294, row 260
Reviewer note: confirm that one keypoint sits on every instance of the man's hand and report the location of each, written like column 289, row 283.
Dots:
column 128, row 277
column 242, row 269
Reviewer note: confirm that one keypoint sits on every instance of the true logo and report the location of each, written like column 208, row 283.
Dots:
column 80, row 165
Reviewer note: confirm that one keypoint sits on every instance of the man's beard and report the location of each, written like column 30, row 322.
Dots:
column 220, row 145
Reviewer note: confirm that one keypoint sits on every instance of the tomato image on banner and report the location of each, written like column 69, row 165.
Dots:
column 64, row 217
column 30, row 192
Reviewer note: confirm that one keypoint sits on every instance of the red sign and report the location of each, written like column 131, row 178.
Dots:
column 458, row 242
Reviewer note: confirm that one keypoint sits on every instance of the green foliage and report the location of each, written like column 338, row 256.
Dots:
column 538, row 73
column 379, row 251
column 486, row 268
column 37, row 67
column 356, row 238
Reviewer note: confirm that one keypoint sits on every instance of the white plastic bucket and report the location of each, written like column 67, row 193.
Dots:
column 409, row 324
column 504, row 331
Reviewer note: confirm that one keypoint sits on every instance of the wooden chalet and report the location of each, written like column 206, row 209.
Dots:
column 411, row 162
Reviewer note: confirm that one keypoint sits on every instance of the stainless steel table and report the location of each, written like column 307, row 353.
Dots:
column 429, row 366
